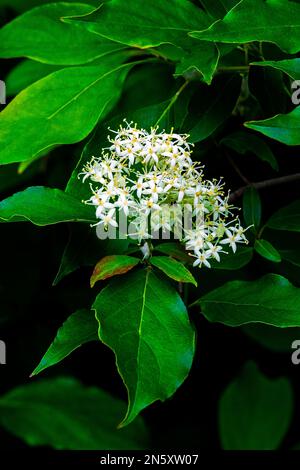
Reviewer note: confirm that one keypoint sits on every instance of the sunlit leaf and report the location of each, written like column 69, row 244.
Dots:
column 284, row 127
column 144, row 321
column 40, row 34
column 271, row 20
column 80, row 328
column 271, row 299
column 44, row 206
column 173, row 269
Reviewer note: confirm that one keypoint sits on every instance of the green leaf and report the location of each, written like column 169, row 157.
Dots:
column 271, row 299
column 44, row 206
column 284, row 127
column 290, row 66
column 25, row 74
column 243, row 142
column 175, row 250
column 232, row 261
column 265, row 249
column 80, row 328
column 64, row 414
column 173, row 269
column 67, row 115
column 218, row 8
column 217, row 104
column 144, row 321
column 252, row 208
column 40, row 34
column 287, row 218
column 271, row 20
column 132, row 24
column 112, row 265
column 201, row 58
column 255, row 412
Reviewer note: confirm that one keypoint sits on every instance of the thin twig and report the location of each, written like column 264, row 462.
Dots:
column 264, row 184
column 237, row 170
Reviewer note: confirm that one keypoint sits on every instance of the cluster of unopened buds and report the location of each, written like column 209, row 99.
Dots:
column 150, row 178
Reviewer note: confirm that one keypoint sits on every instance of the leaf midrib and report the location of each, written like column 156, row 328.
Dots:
column 227, row 302
column 75, row 97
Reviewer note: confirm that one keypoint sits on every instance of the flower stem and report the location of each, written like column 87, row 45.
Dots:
column 172, row 102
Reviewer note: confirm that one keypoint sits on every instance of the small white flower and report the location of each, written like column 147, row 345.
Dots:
column 148, row 205
column 202, row 258
column 108, row 219
column 154, row 190
column 124, row 203
column 214, row 251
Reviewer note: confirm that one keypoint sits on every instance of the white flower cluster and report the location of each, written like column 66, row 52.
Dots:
column 150, row 178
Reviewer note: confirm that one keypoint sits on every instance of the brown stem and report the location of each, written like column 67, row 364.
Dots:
column 234, row 68
column 237, row 170
column 264, row 184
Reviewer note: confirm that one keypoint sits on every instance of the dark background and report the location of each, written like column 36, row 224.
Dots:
column 31, row 310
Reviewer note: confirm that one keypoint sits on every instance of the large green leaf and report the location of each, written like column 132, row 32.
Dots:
column 271, row 299
column 80, row 328
column 258, row 20
column 41, row 35
column 290, row 66
column 25, row 74
column 202, row 58
column 244, row 142
column 287, row 218
column 254, row 411
column 252, row 208
column 173, row 269
column 135, row 24
column 62, row 108
column 284, row 127
column 113, row 265
column 216, row 106
column 144, row 321
column 63, row 414
column 44, row 206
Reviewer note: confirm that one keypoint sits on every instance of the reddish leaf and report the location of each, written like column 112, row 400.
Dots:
column 111, row 266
